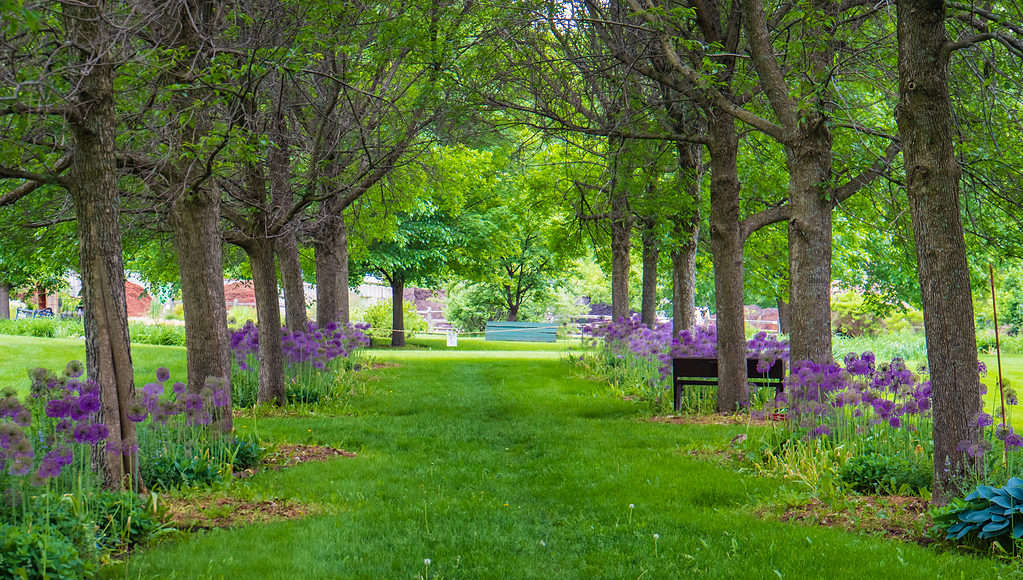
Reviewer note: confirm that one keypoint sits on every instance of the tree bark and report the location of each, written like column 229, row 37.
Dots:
column 331, row 247
column 621, row 243
column 925, row 125
column 5, row 301
column 687, row 234
column 197, row 239
column 398, row 309
column 809, row 163
column 93, row 186
column 286, row 244
column 268, row 314
column 291, row 277
column 651, row 255
column 727, row 243
column 784, row 316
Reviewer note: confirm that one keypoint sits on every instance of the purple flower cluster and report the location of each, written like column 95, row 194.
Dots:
column 313, row 345
column 817, row 394
column 69, row 406
column 629, row 336
column 197, row 403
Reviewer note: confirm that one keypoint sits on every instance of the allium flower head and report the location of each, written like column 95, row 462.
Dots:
column 74, row 369
column 162, row 374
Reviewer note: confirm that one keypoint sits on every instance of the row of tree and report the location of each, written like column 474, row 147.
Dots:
column 489, row 139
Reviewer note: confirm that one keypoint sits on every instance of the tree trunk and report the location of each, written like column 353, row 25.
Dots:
column 398, row 310
column 286, row 245
column 197, row 239
column 727, row 248
column 268, row 313
column 331, row 247
column 5, row 301
column 809, row 163
column 93, row 186
column 926, row 128
column 621, row 241
column 291, row 276
column 651, row 255
column 784, row 316
column 687, row 234
column 513, row 312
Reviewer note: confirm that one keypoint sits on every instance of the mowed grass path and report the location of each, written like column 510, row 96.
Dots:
column 503, row 465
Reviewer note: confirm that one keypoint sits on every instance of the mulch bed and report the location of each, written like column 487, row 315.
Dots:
column 210, row 512
column 897, row 517
column 204, row 512
column 714, row 419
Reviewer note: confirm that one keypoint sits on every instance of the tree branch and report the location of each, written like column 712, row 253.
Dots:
column 851, row 187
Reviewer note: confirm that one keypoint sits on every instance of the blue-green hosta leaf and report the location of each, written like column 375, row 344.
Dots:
column 1003, row 499
column 1017, row 528
column 995, row 528
column 975, row 517
column 986, row 491
column 1015, row 488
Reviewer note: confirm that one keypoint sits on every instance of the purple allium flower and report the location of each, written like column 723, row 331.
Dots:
column 74, row 369
column 23, row 418
column 91, row 387
column 64, row 425
column 192, row 402
column 221, row 397
column 984, row 420
column 162, row 374
column 137, row 412
column 57, row 409
column 89, row 404
column 153, row 389
column 1013, row 441
column 822, row 430
column 895, row 422
column 178, row 388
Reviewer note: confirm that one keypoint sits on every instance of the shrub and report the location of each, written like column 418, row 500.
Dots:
column 851, row 317
column 881, row 473
column 158, row 334
column 380, row 320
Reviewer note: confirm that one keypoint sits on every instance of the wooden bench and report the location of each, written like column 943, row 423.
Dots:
column 704, row 371
column 522, row 331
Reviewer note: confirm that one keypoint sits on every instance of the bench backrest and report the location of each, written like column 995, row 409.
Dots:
column 522, row 331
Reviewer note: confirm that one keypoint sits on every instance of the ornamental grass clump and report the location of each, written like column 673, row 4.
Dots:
column 314, row 358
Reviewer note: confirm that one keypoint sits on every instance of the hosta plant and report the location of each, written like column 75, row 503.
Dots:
column 989, row 513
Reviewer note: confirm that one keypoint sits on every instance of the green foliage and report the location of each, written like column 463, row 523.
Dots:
column 158, row 334
column 42, row 327
column 884, row 473
column 36, row 552
column 988, row 513
column 850, row 317
column 381, row 320
column 186, row 463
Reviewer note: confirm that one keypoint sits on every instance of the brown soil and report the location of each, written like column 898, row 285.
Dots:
column 897, row 517
column 220, row 511
column 287, row 455
column 208, row 512
column 715, row 419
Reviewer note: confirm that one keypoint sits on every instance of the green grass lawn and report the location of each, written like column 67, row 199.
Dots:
column 505, row 465
column 19, row 354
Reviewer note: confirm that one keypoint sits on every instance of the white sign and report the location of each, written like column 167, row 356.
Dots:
column 452, row 338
